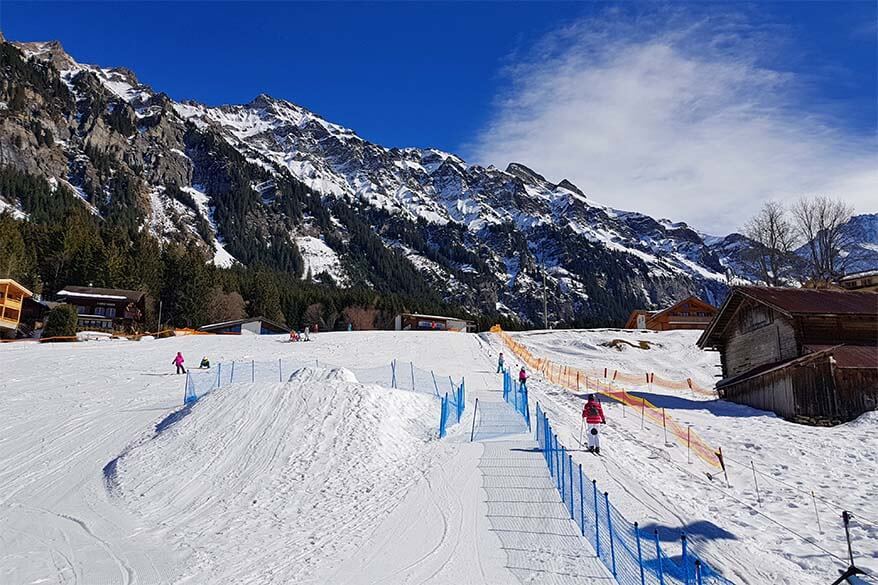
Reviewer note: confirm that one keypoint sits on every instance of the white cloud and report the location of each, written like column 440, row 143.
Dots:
column 684, row 121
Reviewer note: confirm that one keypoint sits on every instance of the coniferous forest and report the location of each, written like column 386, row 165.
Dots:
column 61, row 242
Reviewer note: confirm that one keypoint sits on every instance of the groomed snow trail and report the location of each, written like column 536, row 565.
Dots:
column 490, row 514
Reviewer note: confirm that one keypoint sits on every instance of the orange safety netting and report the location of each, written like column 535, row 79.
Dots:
column 578, row 380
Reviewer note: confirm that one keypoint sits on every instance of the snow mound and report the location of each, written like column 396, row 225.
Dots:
column 308, row 374
column 279, row 480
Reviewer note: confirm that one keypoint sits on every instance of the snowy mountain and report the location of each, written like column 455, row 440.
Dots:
column 270, row 182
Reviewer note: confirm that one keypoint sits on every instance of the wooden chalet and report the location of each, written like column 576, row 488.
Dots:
column 105, row 309
column 809, row 355
column 12, row 298
column 864, row 281
column 689, row 313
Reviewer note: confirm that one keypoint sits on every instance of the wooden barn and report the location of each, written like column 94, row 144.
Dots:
column 808, row 355
column 689, row 313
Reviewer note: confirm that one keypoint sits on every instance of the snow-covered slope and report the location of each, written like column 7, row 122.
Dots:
column 784, row 536
column 320, row 455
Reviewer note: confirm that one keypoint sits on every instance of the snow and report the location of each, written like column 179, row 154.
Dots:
column 321, row 259
column 12, row 209
column 90, row 295
column 775, row 541
column 316, row 479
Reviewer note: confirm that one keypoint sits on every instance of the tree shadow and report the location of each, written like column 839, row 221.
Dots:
column 704, row 529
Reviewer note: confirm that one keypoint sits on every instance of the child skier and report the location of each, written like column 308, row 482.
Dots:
column 594, row 416
column 522, row 379
column 178, row 361
column 500, row 363
column 205, row 363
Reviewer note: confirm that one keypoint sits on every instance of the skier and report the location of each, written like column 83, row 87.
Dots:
column 205, row 363
column 306, row 336
column 178, row 361
column 294, row 336
column 594, row 416
column 500, row 363
column 522, row 379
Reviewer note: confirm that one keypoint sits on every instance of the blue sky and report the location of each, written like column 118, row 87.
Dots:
column 506, row 81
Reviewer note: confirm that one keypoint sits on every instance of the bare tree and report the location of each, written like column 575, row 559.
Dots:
column 774, row 241
column 822, row 222
column 223, row 306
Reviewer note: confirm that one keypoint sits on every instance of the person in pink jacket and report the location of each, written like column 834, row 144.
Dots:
column 522, row 379
column 178, row 361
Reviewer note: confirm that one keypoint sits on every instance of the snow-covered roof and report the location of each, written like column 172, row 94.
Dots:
column 856, row 275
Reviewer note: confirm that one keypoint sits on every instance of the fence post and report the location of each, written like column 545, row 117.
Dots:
column 443, row 415
column 558, row 471
column 572, row 517
column 689, row 444
column 475, row 412
column 316, row 362
column 697, row 572
column 581, row 503
column 639, row 554
column 412, row 365
column 685, row 558
column 393, row 374
column 758, row 497
column 435, row 385
column 664, row 425
column 219, row 375
column 658, row 555
column 563, row 472
column 597, row 532
column 280, row 373
column 642, row 411
column 610, row 530
column 233, row 373
column 252, row 370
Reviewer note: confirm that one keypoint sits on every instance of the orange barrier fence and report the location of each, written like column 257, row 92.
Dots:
column 578, row 380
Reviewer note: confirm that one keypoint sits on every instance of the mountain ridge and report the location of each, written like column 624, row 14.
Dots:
column 272, row 182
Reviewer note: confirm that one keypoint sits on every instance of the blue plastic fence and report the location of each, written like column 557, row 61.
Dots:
column 515, row 393
column 452, row 408
column 403, row 375
column 632, row 554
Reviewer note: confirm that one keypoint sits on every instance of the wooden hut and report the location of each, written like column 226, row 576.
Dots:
column 12, row 297
column 808, row 355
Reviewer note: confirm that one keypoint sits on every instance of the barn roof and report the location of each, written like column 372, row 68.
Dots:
column 849, row 356
column 118, row 294
column 792, row 302
column 796, row 301
column 212, row 326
